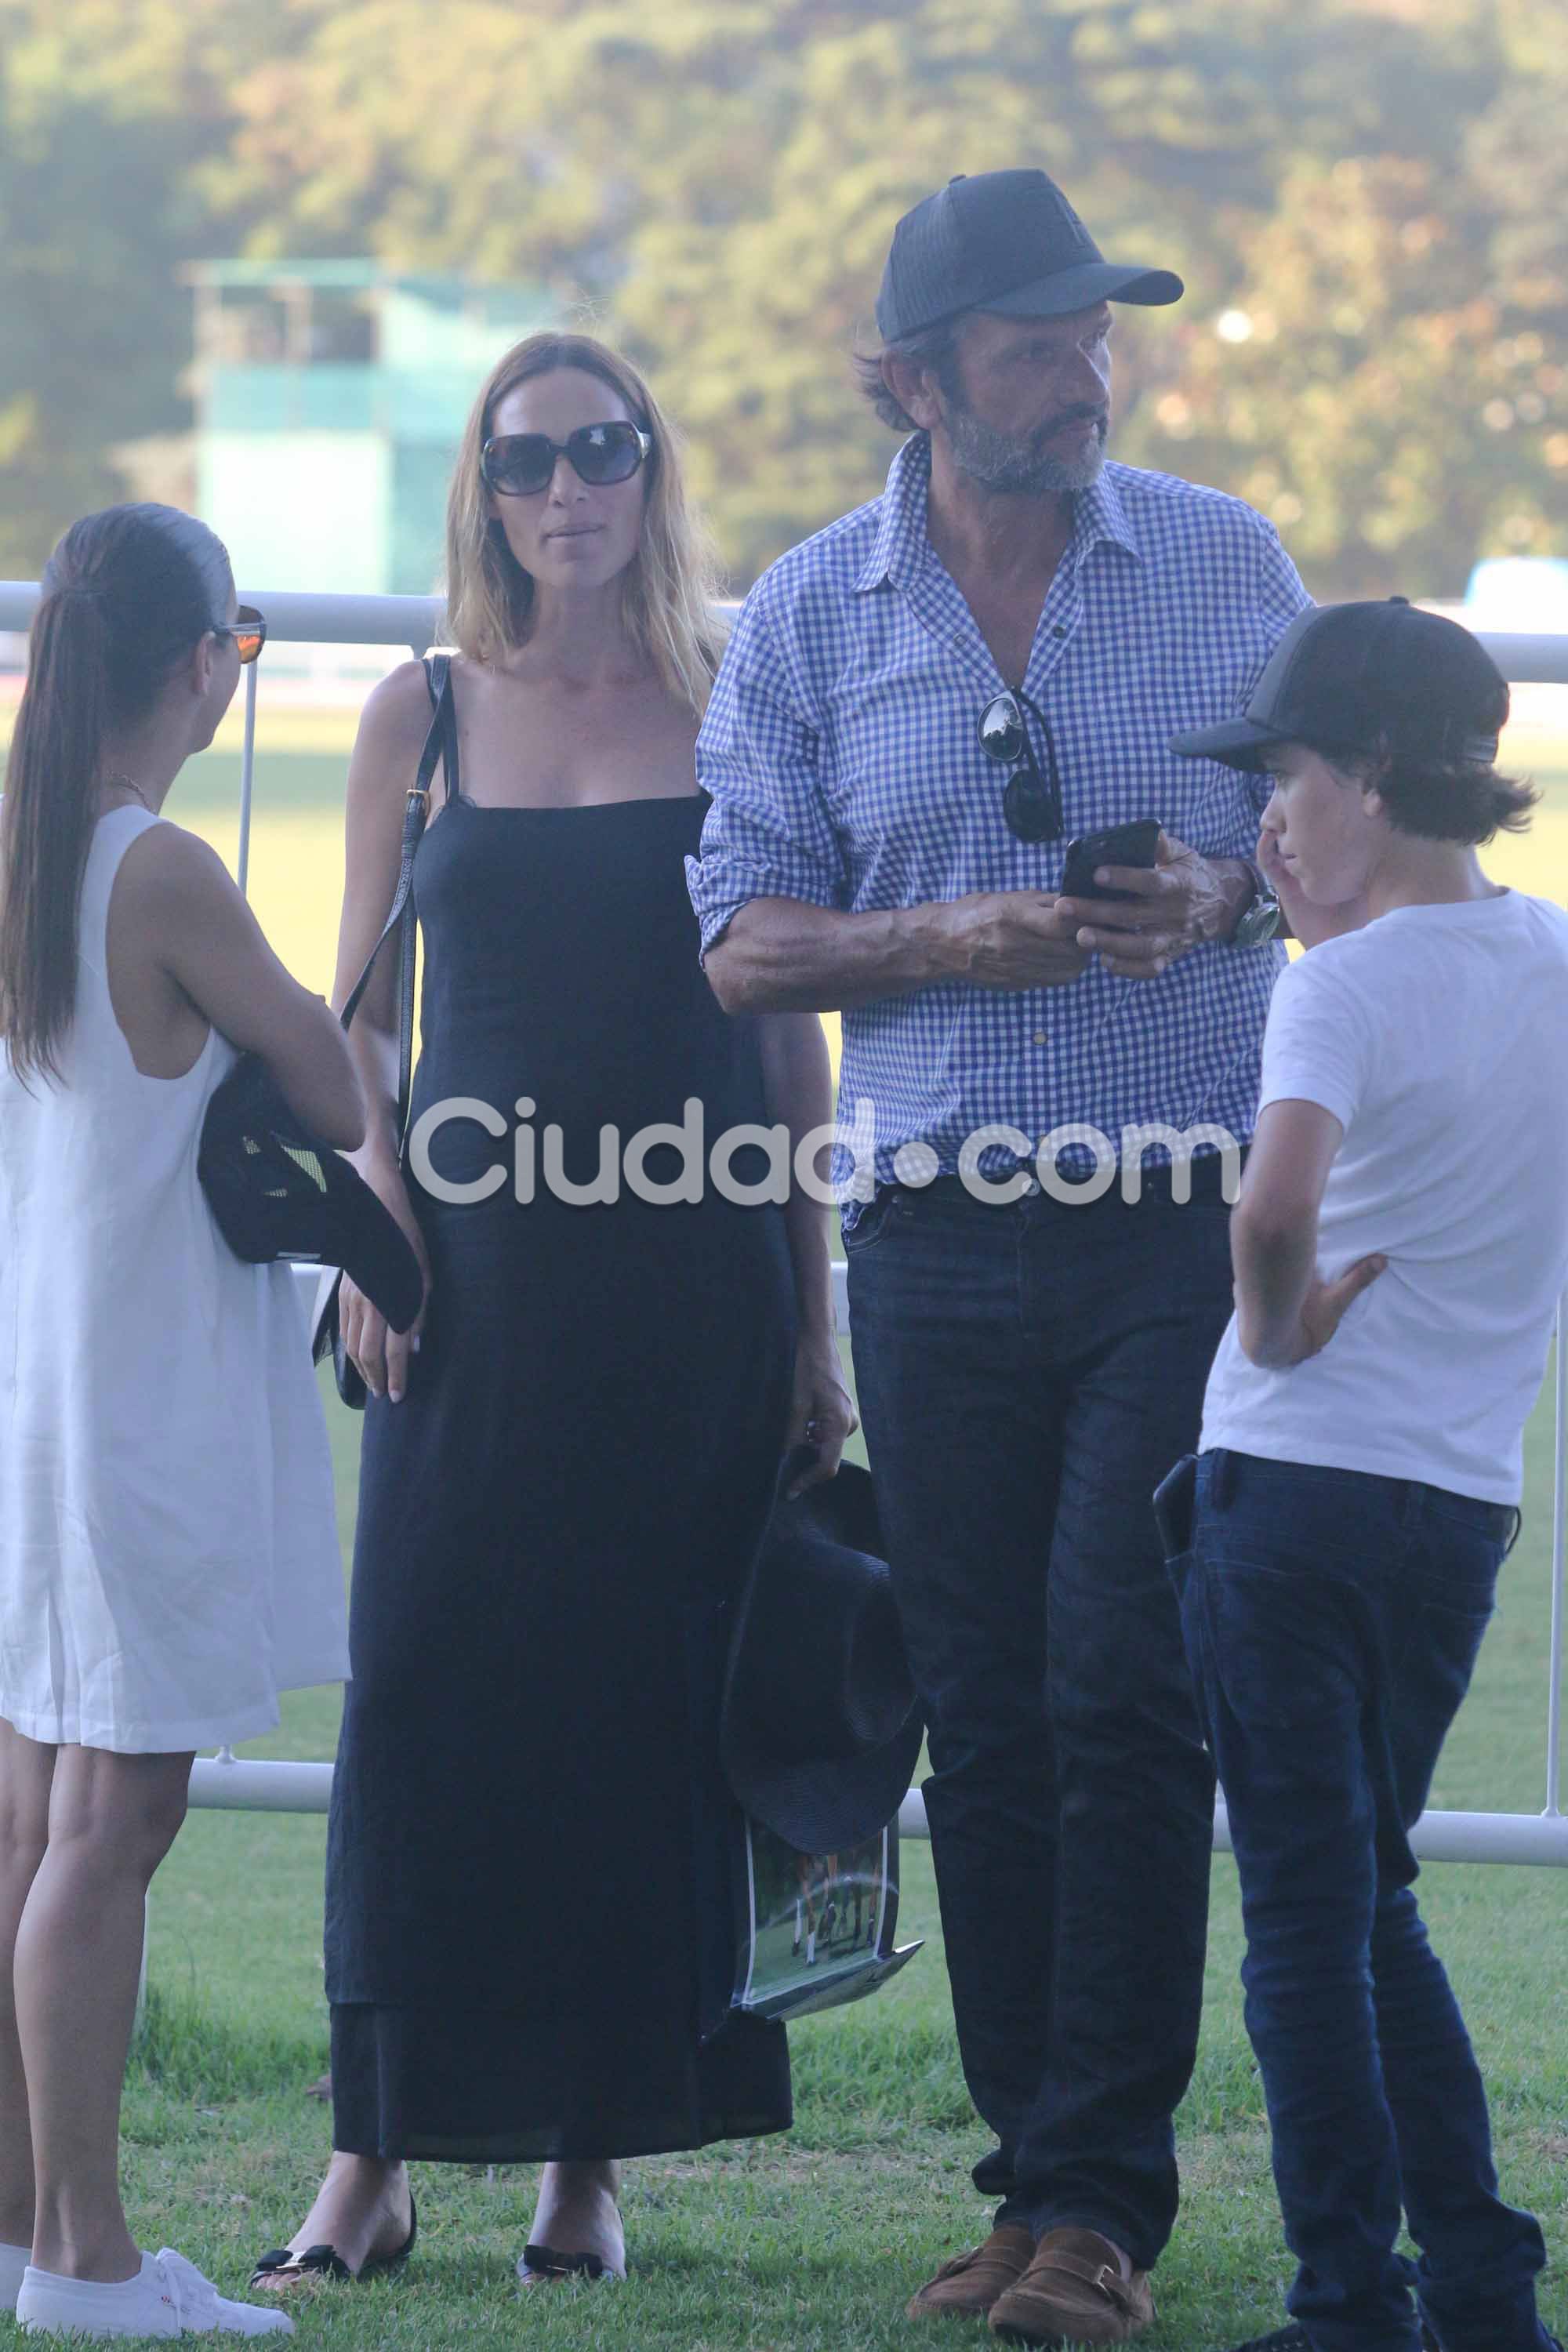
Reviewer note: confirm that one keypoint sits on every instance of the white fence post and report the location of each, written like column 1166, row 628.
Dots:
column 1558, row 1569
column 247, row 771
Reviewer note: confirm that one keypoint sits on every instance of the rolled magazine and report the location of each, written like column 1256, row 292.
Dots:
column 815, row 1929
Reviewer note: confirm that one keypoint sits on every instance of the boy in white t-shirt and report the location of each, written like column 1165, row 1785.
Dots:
column 1400, row 1242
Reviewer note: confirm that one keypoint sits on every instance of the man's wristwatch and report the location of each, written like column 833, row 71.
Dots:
column 1262, row 915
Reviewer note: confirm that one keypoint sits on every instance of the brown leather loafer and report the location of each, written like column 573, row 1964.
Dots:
column 1073, row 2293
column 968, row 2286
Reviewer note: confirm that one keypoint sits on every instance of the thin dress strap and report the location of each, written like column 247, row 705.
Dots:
column 437, row 674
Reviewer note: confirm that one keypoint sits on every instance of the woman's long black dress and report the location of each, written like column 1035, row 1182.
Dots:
column 529, row 1922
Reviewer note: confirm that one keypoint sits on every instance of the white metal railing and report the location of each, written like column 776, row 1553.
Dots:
column 247, row 1784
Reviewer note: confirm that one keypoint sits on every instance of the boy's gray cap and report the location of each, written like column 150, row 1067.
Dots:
column 1354, row 678
column 1005, row 241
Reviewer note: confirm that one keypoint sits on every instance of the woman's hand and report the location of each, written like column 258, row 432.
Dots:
column 821, row 1412
column 382, row 1355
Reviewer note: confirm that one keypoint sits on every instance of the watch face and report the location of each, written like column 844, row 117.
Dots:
column 1259, row 924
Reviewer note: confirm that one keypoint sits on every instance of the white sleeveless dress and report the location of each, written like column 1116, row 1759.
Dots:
column 169, row 1555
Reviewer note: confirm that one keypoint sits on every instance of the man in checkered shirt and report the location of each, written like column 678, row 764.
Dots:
column 918, row 707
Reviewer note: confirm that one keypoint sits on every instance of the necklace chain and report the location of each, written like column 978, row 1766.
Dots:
column 129, row 784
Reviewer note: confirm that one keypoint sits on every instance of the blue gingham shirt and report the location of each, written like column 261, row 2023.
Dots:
column 841, row 754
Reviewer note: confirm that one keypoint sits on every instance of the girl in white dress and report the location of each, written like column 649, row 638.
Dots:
column 168, row 1553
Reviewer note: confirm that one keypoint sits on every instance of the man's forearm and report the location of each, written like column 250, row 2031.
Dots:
column 781, row 955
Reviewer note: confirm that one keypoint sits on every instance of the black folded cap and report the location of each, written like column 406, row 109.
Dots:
column 277, row 1192
column 1350, row 679
column 1005, row 241
column 820, row 1728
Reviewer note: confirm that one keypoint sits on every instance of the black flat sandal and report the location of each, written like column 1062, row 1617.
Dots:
column 325, row 2261
column 543, row 2262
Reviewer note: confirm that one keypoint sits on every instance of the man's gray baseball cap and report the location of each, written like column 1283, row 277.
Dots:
column 1006, row 241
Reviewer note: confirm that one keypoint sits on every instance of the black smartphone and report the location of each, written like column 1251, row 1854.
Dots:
column 1119, row 844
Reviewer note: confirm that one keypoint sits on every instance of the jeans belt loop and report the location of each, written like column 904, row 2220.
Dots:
column 1222, row 1478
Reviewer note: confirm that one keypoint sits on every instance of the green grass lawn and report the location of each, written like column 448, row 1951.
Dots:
column 814, row 2239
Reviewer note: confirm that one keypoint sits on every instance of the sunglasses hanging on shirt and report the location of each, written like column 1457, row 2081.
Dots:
column 1031, row 801
column 520, row 464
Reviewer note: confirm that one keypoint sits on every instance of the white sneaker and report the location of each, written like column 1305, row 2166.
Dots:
column 168, row 2296
column 14, row 2261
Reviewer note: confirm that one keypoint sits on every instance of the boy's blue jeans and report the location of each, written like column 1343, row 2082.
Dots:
column 1331, row 1621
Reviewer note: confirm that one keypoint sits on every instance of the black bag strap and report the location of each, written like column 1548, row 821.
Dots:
column 440, row 743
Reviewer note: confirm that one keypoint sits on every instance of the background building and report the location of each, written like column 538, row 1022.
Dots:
column 330, row 399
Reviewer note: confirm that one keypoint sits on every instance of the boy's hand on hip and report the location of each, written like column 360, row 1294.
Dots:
column 1323, row 1311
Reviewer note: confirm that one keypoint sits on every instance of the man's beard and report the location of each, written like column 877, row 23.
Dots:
column 1021, row 464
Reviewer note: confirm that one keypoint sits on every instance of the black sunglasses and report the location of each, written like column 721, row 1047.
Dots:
column 1032, row 803
column 520, row 464
column 247, row 629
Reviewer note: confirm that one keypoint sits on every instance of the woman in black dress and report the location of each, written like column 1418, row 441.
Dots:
column 567, row 1467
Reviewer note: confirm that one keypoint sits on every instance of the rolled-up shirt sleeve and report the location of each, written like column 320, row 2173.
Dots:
column 767, row 833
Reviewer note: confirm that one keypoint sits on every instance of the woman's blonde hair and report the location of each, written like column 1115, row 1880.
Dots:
column 673, row 584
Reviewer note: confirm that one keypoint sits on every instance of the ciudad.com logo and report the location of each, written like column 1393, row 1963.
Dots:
column 831, row 1164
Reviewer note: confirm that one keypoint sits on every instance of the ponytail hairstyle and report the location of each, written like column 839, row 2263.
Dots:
column 1452, row 800
column 127, row 595
column 673, row 582
column 1435, row 771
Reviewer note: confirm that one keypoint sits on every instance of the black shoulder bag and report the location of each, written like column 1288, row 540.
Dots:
column 441, row 744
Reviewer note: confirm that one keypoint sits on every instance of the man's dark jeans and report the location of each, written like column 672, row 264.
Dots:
column 1027, row 1375
column 1332, row 1619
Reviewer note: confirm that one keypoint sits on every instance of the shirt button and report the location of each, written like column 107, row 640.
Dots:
column 1039, row 1036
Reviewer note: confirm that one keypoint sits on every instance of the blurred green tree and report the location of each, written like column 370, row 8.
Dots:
column 1387, row 379
column 93, row 315
column 1366, row 197
column 106, row 108
column 1360, row 193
